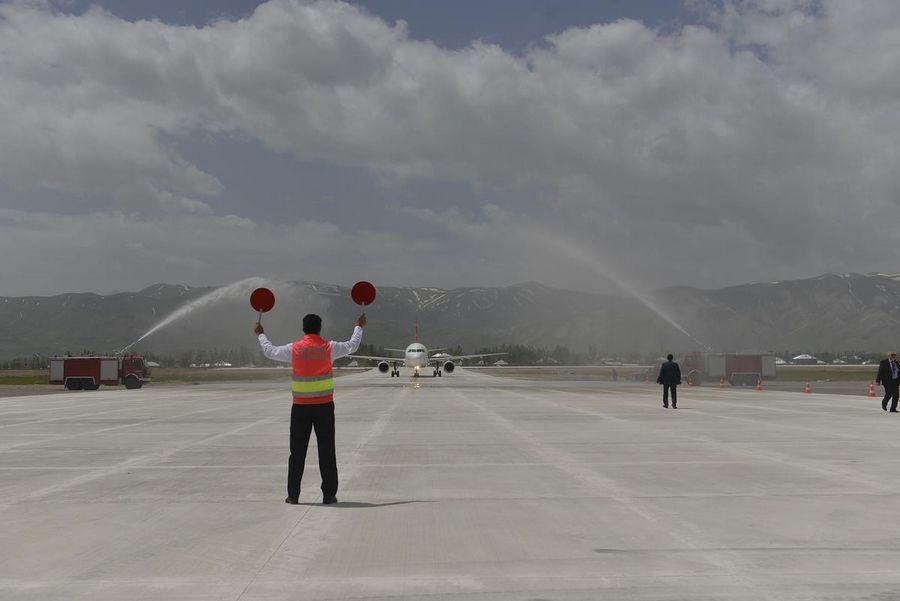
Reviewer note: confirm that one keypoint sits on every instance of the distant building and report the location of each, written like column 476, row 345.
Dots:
column 804, row 359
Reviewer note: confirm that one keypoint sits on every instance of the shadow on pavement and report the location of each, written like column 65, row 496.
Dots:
column 340, row 504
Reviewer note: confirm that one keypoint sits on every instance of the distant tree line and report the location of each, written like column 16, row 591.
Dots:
column 515, row 354
column 33, row 362
column 520, row 354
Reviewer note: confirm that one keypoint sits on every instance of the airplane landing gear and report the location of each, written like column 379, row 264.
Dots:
column 436, row 374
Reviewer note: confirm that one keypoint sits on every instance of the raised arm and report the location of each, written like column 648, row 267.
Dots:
column 275, row 353
column 342, row 349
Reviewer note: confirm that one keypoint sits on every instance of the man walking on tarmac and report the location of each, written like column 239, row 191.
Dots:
column 889, row 377
column 313, row 390
column 669, row 377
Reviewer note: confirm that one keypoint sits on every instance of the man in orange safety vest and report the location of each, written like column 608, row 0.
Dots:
column 313, row 392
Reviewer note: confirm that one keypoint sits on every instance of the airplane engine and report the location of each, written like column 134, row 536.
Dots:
column 383, row 367
column 449, row 367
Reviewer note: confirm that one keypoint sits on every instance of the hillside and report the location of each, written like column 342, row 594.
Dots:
column 838, row 312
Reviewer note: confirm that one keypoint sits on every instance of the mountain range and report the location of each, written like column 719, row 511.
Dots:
column 849, row 312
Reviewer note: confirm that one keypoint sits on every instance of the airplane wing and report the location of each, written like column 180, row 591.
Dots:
column 455, row 357
column 376, row 358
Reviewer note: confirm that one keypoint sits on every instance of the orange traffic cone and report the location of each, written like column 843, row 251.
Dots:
column 872, row 389
column 808, row 389
column 721, row 382
column 759, row 384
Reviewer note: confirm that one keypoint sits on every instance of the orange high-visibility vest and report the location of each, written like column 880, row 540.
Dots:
column 311, row 363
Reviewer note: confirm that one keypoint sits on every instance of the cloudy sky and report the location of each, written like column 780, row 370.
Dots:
column 465, row 143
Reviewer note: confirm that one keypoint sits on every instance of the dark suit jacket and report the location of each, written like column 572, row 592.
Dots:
column 669, row 373
column 884, row 373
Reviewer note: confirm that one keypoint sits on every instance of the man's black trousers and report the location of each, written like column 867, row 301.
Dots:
column 891, row 392
column 674, row 389
column 303, row 419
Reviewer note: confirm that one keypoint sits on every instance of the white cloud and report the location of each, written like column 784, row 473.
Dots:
column 761, row 146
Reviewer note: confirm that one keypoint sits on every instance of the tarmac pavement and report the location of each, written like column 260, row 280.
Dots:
column 465, row 487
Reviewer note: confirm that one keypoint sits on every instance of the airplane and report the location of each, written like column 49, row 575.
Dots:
column 416, row 357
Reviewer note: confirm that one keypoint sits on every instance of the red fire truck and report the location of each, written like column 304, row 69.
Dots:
column 88, row 373
column 738, row 369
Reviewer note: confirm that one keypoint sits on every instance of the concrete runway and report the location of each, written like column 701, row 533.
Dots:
column 466, row 487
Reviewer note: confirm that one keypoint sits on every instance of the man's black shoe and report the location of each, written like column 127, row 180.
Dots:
column 665, row 406
column 674, row 407
column 329, row 500
column 893, row 411
column 290, row 501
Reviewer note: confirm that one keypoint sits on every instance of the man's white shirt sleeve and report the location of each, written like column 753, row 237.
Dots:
column 342, row 349
column 275, row 353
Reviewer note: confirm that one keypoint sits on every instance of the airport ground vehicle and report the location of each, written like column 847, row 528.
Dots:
column 88, row 373
column 738, row 369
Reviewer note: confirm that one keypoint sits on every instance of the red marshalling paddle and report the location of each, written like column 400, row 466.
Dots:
column 262, row 299
column 362, row 293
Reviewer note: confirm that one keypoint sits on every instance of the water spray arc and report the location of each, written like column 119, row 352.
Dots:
column 239, row 287
column 579, row 253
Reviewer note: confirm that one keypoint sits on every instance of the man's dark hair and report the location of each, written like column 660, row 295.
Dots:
column 669, row 356
column 312, row 324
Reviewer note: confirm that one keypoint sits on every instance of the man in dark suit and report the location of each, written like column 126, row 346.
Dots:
column 670, row 378
column 889, row 377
